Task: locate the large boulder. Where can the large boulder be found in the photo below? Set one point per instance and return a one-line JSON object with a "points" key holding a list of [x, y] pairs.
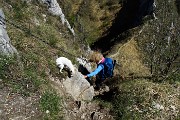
{"points": [[78, 87], [5, 46]]}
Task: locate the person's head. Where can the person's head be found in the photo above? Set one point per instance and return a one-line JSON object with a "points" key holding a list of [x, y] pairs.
{"points": [[96, 57]]}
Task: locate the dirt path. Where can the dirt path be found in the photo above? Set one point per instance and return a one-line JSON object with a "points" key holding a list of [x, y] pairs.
{"points": [[129, 57], [15, 107]]}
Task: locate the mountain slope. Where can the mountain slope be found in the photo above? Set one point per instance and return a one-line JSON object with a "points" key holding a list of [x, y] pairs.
{"points": [[32, 87]]}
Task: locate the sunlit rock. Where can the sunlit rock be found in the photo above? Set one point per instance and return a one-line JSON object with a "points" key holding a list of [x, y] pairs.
{"points": [[5, 45], [78, 87], [55, 9]]}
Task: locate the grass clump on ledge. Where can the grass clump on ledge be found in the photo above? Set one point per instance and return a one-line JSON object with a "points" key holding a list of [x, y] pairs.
{"points": [[50, 104]]}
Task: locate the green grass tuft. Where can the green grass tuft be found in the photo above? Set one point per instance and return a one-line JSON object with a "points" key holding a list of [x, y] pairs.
{"points": [[50, 104]]}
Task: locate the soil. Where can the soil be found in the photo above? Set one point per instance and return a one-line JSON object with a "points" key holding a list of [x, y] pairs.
{"points": [[14, 106]]}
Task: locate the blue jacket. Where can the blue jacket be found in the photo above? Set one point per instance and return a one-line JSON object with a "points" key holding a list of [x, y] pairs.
{"points": [[96, 71], [104, 69]]}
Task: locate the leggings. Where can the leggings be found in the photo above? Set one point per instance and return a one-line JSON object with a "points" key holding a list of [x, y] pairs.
{"points": [[99, 81]]}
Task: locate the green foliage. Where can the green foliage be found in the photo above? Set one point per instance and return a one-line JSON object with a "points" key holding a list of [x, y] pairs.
{"points": [[5, 62], [85, 9], [51, 38], [138, 100], [51, 102], [23, 77], [19, 41], [72, 19], [174, 78], [103, 103], [29, 74], [161, 42], [33, 80], [126, 98], [31, 61], [20, 11], [120, 107]]}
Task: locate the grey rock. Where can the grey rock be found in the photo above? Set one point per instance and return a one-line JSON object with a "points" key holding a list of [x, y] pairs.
{"points": [[78, 87], [84, 62], [5, 45], [55, 9]]}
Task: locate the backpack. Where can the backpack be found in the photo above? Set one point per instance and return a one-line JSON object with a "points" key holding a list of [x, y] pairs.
{"points": [[108, 67]]}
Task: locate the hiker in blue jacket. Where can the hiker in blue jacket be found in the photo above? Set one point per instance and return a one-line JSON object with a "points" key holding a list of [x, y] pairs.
{"points": [[104, 68]]}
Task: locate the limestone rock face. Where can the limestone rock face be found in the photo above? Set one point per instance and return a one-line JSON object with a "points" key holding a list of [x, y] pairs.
{"points": [[55, 9], [5, 45], [78, 87]]}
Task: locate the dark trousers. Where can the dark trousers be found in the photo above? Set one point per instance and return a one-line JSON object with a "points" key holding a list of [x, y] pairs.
{"points": [[99, 81]]}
